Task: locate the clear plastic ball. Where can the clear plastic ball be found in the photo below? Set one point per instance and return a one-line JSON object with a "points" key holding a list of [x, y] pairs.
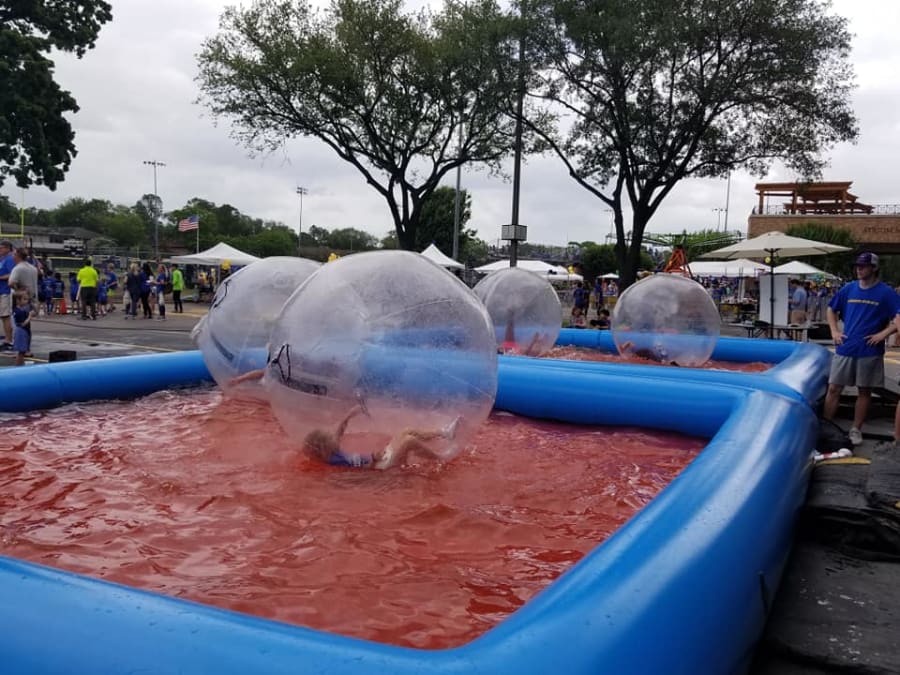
{"points": [[234, 334], [524, 310], [667, 318], [389, 334]]}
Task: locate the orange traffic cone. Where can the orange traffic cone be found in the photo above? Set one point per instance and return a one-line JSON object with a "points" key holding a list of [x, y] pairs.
{"points": [[62, 307]]}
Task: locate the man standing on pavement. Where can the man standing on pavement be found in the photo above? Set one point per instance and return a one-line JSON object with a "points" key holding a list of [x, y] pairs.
{"points": [[87, 285], [24, 275], [870, 310], [797, 303], [6, 266], [177, 287]]}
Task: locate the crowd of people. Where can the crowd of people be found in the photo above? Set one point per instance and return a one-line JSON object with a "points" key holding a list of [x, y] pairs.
{"points": [[30, 287]]}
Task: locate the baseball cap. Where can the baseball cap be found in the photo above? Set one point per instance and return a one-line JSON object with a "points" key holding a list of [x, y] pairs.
{"points": [[866, 259]]}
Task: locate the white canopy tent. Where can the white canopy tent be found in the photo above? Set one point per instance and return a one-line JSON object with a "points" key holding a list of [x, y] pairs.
{"points": [[727, 268], [434, 254], [216, 256], [609, 275], [802, 269], [554, 273]]}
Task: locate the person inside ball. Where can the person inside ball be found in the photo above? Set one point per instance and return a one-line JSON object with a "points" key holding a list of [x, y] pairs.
{"points": [[325, 445]]}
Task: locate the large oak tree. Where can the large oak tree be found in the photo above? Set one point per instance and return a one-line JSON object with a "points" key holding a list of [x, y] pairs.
{"points": [[655, 91], [36, 140], [403, 98]]}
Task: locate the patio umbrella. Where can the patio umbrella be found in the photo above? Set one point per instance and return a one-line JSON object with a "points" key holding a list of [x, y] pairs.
{"points": [[769, 245]]}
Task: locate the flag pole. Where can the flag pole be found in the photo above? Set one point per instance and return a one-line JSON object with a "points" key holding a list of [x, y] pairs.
{"points": [[198, 237]]}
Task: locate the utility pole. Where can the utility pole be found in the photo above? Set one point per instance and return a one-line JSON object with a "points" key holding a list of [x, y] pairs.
{"points": [[727, 199], [514, 233], [300, 191], [156, 215]]}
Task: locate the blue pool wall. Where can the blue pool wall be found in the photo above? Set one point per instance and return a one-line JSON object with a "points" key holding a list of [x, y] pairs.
{"points": [[683, 587]]}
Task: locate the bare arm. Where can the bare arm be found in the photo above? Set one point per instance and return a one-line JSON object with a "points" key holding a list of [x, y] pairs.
{"points": [[836, 334], [249, 376]]}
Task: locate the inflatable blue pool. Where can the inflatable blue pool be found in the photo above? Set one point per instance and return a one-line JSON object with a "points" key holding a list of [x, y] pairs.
{"points": [[683, 587]]}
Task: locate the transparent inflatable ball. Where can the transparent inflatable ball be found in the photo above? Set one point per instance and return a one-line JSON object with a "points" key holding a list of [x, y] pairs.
{"points": [[666, 318], [233, 336], [391, 337], [524, 309]]}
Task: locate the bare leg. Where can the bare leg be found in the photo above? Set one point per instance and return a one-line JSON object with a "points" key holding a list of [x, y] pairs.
{"points": [[832, 399], [861, 410], [411, 441]]}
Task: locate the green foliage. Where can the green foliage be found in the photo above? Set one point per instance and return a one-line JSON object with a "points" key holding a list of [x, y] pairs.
{"points": [[405, 99], [840, 264], [9, 212], [597, 259], [662, 90], [36, 139]]}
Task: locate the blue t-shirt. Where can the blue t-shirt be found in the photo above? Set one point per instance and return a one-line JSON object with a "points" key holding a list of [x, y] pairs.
{"points": [[798, 299], [59, 288], [161, 280], [145, 283], [102, 291], [6, 266], [20, 314], [112, 281], [864, 312]]}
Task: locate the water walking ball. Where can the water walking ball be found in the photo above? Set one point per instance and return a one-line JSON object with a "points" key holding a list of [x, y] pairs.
{"points": [[234, 334], [667, 318], [524, 310], [390, 339]]}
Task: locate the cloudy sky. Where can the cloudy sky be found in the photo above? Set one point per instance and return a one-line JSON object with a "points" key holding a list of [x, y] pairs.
{"points": [[136, 90]]}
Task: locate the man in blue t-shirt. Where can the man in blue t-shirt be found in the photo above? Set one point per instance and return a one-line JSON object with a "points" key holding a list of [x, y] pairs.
{"points": [[6, 268], [870, 311]]}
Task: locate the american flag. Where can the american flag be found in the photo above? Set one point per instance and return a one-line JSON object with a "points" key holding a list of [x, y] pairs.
{"points": [[189, 223]]}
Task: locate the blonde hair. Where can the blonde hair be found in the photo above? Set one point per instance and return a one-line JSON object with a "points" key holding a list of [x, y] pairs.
{"points": [[134, 268]]}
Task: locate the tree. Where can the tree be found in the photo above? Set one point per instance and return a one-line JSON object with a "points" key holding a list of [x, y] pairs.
{"points": [[404, 99], [836, 263], [78, 212], [662, 90], [8, 211], [36, 139], [436, 224]]}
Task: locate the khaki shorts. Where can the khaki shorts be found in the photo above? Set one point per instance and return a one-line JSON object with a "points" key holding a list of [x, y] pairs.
{"points": [[864, 371], [5, 306]]}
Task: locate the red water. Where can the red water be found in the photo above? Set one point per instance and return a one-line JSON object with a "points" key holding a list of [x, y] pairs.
{"points": [[587, 354], [194, 496]]}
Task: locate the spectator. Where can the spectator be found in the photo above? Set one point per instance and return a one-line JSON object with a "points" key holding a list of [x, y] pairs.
{"points": [[6, 266], [177, 288], [24, 275], [146, 283], [87, 286], [133, 286], [22, 335], [797, 303], [602, 320], [869, 310]]}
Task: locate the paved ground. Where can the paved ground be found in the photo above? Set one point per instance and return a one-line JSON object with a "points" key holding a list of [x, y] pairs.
{"points": [[110, 335]]}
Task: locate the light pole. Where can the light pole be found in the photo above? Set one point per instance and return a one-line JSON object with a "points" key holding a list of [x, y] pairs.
{"points": [[300, 191], [155, 164], [719, 212]]}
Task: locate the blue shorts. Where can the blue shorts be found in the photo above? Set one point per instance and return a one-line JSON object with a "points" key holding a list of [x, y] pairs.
{"points": [[340, 458], [21, 339]]}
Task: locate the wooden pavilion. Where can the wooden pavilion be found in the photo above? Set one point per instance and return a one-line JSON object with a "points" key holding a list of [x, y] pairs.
{"points": [[821, 198]]}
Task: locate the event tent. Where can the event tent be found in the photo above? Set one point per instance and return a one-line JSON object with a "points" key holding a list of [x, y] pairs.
{"points": [[216, 256], [434, 254], [802, 269], [546, 270], [727, 268]]}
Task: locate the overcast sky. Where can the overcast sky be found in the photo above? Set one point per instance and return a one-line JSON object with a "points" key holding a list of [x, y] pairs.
{"points": [[136, 90]]}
